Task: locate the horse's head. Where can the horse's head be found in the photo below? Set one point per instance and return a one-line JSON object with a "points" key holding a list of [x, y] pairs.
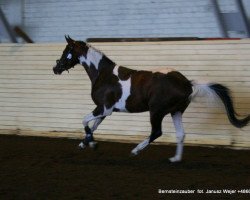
{"points": [[70, 56]]}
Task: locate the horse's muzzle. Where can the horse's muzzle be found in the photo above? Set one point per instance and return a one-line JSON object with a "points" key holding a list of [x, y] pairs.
{"points": [[56, 70]]}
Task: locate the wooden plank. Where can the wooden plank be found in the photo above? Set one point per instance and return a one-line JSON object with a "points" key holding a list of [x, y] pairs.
{"points": [[241, 104], [126, 62], [219, 45], [188, 118], [136, 57], [187, 73], [77, 119], [43, 52], [204, 112], [79, 69]]}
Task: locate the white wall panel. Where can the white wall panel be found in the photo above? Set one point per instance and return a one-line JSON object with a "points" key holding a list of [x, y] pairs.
{"points": [[47, 20]]}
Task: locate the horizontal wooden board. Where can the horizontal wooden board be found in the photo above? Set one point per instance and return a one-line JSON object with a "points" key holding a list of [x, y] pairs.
{"points": [[34, 101]]}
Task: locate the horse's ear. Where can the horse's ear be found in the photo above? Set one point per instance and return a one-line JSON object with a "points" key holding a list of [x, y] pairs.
{"points": [[69, 39]]}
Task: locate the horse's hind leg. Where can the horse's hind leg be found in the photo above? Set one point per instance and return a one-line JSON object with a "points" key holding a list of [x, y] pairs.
{"points": [[156, 120], [180, 135]]}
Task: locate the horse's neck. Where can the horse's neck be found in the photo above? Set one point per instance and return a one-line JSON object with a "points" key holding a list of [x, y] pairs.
{"points": [[95, 62]]}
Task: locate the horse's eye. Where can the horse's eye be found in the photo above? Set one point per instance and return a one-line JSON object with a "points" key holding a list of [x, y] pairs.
{"points": [[69, 56]]}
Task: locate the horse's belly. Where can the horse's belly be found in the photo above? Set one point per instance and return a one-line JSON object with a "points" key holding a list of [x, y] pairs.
{"points": [[136, 105], [131, 106]]}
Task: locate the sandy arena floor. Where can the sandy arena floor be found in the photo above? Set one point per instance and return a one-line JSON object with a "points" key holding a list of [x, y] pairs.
{"points": [[45, 168]]}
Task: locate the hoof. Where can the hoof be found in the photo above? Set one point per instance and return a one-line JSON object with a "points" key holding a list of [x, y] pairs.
{"points": [[134, 152], [93, 145], [175, 159], [82, 145]]}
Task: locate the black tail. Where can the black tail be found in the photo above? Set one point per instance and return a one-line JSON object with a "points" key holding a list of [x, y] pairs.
{"points": [[224, 94]]}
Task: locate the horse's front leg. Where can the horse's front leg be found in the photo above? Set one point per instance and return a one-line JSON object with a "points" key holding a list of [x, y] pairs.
{"points": [[98, 115]]}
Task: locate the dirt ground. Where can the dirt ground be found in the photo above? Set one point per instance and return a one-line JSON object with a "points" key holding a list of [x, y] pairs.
{"points": [[45, 168]]}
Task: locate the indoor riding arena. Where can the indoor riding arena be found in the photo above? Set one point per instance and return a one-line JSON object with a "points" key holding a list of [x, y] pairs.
{"points": [[41, 113]]}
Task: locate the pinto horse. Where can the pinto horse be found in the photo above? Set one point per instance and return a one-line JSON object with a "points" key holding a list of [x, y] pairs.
{"points": [[120, 89]]}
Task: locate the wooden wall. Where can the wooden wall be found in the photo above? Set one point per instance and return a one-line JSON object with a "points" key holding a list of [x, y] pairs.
{"points": [[34, 101]]}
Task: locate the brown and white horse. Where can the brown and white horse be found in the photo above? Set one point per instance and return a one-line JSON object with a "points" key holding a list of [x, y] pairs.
{"points": [[120, 89]]}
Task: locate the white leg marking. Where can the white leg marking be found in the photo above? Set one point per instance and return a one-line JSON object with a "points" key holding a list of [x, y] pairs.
{"points": [[82, 146], [98, 120], [92, 144], [96, 124], [177, 120], [87, 119], [140, 147], [91, 117]]}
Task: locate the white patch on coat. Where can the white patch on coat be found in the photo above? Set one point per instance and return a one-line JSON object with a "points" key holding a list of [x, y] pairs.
{"points": [[69, 56], [115, 70], [84, 60], [121, 103], [93, 56], [125, 86]]}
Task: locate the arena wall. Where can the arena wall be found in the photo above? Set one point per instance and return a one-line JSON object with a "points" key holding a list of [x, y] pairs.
{"points": [[34, 101]]}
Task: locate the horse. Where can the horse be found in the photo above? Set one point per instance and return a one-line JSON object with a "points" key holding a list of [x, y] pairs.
{"points": [[116, 88]]}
